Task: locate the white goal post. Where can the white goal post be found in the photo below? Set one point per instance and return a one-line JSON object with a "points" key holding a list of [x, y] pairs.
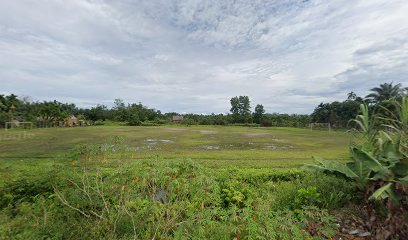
{"points": [[320, 126], [24, 125]]}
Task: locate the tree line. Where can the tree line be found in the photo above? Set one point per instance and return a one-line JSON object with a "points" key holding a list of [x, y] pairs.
{"points": [[337, 113], [379, 101]]}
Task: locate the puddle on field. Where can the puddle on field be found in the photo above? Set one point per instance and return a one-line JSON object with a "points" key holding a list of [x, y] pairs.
{"points": [[154, 141], [207, 147], [174, 129], [274, 147], [151, 144], [207, 131], [148, 147], [256, 134], [273, 139], [249, 146]]}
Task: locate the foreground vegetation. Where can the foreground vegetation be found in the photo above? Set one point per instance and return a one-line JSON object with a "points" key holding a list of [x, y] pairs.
{"points": [[101, 193], [379, 168], [237, 182]]}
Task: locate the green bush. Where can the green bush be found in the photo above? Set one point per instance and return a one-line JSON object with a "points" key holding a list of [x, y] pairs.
{"points": [[25, 190], [235, 193], [318, 190], [149, 123], [307, 197], [99, 123]]}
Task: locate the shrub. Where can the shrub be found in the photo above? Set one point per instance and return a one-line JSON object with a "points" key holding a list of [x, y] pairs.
{"points": [[99, 123], [307, 197], [149, 124], [25, 190], [235, 193]]}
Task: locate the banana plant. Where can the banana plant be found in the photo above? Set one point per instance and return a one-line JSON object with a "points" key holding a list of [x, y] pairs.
{"points": [[388, 166], [381, 159]]}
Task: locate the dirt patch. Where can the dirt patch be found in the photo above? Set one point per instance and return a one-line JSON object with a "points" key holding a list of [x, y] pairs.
{"points": [[279, 140], [154, 141], [208, 131], [152, 144], [147, 147], [209, 147], [256, 134], [274, 147], [352, 224], [175, 129]]}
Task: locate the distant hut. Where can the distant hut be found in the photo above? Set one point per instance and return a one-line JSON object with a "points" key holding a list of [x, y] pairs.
{"points": [[71, 121], [178, 118]]}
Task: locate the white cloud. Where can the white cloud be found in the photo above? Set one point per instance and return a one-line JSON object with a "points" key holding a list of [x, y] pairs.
{"points": [[192, 56]]}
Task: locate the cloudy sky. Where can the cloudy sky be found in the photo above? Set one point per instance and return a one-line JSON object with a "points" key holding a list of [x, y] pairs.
{"points": [[193, 55]]}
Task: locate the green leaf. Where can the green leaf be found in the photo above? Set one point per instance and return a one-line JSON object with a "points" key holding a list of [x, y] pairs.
{"points": [[382, 193], [369, 162], [404, 180], [391, 152], [313, 167], [334, 166], [401, 168]]}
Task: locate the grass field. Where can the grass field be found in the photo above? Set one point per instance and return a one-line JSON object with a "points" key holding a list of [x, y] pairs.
{"points": [[215, 147], [211, 146]]}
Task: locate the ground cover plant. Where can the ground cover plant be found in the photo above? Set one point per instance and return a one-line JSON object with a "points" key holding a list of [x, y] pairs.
{"points": [[101, 192], [169, 182]]}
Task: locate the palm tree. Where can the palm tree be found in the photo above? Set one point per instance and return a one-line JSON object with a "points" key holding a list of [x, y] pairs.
{"points": [[351, 96], [385, 91]]}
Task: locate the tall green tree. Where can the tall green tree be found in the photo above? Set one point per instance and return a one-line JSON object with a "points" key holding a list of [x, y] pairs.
{"points": [[235, 106], [338, 114], [241, 109], [259, 113], [245, 106], [385, 91]]}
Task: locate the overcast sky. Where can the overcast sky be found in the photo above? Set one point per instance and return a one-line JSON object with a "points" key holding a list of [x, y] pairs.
{"points": [[193, 56]]}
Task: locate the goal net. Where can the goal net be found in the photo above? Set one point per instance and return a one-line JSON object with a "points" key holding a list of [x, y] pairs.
{"points": [[320, 126], [18, 125]]}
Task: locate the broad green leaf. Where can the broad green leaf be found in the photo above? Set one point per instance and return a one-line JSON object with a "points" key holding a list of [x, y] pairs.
{"points": [[391, 152], [404, 180], [368, 161], [334, 166], [313, 167], [401, 168], [382, 193]]}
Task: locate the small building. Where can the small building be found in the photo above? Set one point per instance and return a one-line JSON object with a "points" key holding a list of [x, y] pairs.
{"points": [[178, 118], [71, 121]]}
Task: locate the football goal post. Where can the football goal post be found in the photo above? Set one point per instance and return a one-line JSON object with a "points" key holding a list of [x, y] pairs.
{"points": [[18, 125], [320, 126]]}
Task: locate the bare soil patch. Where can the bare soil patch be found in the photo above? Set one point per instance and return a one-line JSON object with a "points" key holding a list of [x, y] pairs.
{"points": [[208, 131], [175, 129], [256, 134]]}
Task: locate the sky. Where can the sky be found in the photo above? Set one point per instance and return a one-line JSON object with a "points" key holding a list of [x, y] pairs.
{"points": [[192, 56]]}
